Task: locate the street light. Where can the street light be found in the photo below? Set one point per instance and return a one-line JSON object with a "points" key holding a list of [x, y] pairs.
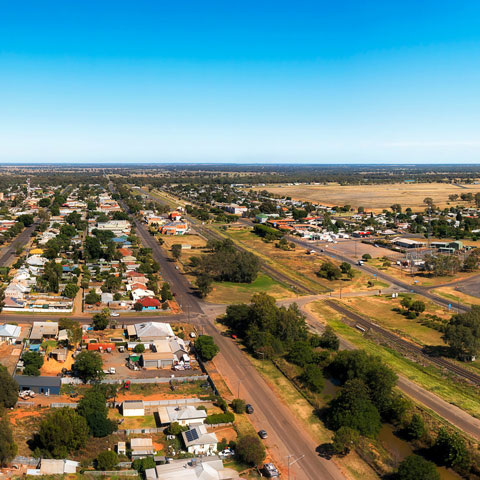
{"points": [[292, 463]]}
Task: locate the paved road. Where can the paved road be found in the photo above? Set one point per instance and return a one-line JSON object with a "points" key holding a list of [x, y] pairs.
{"points": [[8, 253], [285, 435], [381, 275]]}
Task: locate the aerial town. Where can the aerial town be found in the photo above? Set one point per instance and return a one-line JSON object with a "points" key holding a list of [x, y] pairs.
{"points": [[156, 325], [240, 240]]}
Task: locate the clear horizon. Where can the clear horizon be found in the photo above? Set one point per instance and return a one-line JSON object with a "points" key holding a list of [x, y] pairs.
{"points": [[262, 83]]}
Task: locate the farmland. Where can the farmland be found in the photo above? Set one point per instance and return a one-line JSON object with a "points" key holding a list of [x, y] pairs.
{"points": [[373, 197]]}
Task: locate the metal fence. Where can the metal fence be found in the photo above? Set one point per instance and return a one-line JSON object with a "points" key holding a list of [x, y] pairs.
{"points": [[25, 404], [114, 473], [120, 381], [61, 405]]}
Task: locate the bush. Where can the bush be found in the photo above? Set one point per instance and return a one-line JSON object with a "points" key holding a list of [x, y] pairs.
{"points": [[415, 467], [175, 429], [238, 405], [450, 449], [140, 348], [206, 347], [215, 418], [416, 427], [313, 378], [250, 450], [31, 371], [142, 464], [107, 460]]}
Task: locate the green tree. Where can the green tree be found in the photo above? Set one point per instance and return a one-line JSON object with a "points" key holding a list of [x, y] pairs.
{"points": [[238, 405], [100, 321], [88, 366], [9, 390], [175, 429], [462, 333], [176, 251], [204, 284], [418, 306], [415, 467], [301, 353], [344, 440], [31, 370], [329, 340], [138, 307], [366, 257], [352, 408], [450, 449], [8, 448], [250, 449], [206, 347], [73, 328], [329, 271], [416, 428], [107, 460], [142, 464], [140, 348], [313, 378], [165, 292], [63, 431], [71, 290], [34, 359], [93, 408]]}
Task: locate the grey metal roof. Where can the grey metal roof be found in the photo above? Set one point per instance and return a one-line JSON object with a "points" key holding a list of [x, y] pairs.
{"points": [[42, 381]]}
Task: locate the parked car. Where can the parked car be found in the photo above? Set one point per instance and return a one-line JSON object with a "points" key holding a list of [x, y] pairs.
{"points": [[263, 434], [270, 470], [248, 408], [114, 314]]}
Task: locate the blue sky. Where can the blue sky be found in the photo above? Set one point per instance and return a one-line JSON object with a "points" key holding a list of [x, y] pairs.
{"points": [[252, 81]]}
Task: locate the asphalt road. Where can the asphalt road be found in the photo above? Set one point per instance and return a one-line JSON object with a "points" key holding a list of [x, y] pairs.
{"points": [[285, 436], [8, 253]]}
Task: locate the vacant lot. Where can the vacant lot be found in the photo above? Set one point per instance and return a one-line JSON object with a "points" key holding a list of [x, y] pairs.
{"points": [[298, 264], [380, 309], [374, 197]]}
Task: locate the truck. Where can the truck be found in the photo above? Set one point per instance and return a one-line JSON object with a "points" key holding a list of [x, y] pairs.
{"points": [[110, 371]]}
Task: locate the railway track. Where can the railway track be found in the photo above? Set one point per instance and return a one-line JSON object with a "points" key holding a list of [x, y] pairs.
{"points": [[438, 361]]}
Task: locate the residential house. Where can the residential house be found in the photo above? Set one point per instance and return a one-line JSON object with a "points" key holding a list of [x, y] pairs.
{"points": [[209, 468], [42, 384], [149, 303], [184, 415], [43, 330], [9, 333], [133, 408], [141, 448], [199, 441], [151, 331]]}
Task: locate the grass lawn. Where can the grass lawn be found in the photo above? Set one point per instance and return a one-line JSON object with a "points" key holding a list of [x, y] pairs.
{"points": [[228, 292], [130, 423], [455, 296], [430, 378], [379, 308]]}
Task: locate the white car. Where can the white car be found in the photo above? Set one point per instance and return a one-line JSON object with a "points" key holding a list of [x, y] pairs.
{"points": [[114, 314]]}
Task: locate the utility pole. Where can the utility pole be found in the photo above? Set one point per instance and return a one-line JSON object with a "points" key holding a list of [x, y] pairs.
{"points": [[263, 358], [292, 463]]}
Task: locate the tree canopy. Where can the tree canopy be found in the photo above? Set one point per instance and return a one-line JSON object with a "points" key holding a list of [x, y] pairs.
{"points": [[9, 390], [88, 366], [206, 347], [463, 333], [250, 449]]}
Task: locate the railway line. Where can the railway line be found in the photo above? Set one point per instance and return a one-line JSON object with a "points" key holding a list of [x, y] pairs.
{"points": [[404, 344]]}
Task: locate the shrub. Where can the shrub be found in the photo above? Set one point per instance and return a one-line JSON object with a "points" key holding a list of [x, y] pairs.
{"points": [[107, 460], [415, 467], [215, 418], [238, 405], [140, 348]]}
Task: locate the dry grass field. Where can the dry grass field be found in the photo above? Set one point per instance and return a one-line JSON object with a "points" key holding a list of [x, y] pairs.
{"points": [[374, 197]]}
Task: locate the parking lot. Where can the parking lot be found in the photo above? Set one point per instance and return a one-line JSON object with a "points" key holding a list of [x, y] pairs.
{"points": [[354, 248]]}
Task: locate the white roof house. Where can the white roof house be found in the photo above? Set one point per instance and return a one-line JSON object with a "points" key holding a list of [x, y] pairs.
{"points": [[185, 415], [37, 260], [210, 468], [141, 447], [9, 333], [151, 331], [199, 441]]}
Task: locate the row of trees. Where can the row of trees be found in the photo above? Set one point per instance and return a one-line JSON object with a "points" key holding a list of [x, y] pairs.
{"points": [[224, 263]]}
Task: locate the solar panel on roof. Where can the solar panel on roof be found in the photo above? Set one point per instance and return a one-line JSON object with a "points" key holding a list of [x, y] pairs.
{"points": [[191, 435]]}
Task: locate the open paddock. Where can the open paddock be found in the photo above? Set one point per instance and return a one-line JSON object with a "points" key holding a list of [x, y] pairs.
{"points": [[374, 197]]}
